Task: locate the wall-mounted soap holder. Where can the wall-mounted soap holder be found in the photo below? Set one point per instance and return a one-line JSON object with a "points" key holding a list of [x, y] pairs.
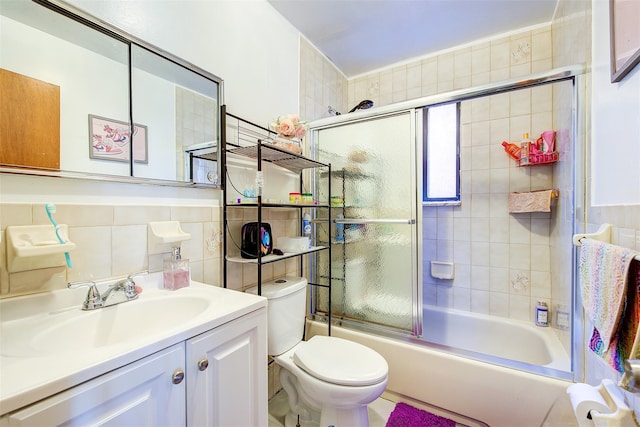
{"points": [[164, 235], [31, 247], [442, 270]]}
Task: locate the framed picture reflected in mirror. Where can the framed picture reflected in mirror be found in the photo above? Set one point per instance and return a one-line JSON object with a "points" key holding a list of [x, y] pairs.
{"points": [[110, 140]]}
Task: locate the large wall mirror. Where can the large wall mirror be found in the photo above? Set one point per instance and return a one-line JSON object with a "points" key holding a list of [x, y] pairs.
{"points": [[81, 97]]}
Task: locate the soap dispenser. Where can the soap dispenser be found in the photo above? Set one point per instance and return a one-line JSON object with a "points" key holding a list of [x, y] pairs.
{"points": [[176, 271]]}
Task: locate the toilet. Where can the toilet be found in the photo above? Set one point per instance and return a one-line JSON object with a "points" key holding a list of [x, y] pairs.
{"points": [[329, 380]]}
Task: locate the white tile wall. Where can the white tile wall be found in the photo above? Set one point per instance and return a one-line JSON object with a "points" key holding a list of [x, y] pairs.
{"points": [[112, 242], [490, 247]]}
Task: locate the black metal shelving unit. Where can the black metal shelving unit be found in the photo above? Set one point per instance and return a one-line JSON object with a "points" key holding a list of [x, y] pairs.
{"points": [[257, 145]]}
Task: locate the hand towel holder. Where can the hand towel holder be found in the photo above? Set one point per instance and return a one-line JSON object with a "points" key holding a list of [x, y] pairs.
{"points": [[603, 234]]}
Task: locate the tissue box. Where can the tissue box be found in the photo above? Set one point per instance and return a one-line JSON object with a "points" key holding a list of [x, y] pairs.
{"points": [[293, 244]]}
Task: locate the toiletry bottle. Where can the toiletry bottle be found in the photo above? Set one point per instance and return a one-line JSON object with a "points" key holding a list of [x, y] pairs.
{"points": [[542, 314], [511, 149], [306, 226], [176, 271], [525, 147], [339, 229]]}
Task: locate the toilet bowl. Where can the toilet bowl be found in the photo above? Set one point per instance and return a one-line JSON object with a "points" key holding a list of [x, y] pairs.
{"points": [[328, 380], [333, 377]]}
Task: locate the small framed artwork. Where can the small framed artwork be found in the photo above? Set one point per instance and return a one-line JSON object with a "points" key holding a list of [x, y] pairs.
{"points": [[110, 140], [624, 16]]}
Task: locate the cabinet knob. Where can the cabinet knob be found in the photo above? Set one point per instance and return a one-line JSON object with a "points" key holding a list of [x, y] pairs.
{"points": [[177, 376], [203, 364]]}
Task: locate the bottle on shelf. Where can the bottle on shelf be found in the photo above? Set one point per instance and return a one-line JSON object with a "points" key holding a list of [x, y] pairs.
{"points": [[525, 149], [339, 228], [511, 149], [306, 226]]}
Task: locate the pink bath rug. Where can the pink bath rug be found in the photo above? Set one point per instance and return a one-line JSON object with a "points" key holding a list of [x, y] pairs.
{"points": [[405, 415]]}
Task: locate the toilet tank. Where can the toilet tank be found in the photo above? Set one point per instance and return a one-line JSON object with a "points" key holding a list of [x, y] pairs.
{"points": [[285, 312]]}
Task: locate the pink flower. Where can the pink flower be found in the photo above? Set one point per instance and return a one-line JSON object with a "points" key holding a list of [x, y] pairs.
{"points": [[290, 126], [286, 127], [301, 131]]}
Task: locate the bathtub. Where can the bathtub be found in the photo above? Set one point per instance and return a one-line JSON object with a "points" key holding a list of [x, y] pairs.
{"points": [[487, 392], [495, 336]]}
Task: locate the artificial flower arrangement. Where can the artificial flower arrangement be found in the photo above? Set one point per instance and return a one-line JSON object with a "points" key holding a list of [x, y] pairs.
{"points": [[290, 126]]}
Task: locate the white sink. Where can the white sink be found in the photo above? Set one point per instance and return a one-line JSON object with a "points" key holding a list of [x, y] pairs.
{"points": [[71, 331], [48, 343]]}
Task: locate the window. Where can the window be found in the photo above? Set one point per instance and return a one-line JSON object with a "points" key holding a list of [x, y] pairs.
{"points": [[441, 162]]}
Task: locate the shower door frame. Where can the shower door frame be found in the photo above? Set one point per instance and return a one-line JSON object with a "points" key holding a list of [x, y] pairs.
{"points": [[575, 74], [415, 223]]}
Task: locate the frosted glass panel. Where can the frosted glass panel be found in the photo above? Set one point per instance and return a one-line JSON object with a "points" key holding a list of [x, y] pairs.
{"points": [[442, 152], [373, 187]]}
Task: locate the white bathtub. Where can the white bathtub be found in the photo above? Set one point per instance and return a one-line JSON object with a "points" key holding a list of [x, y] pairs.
{"points": [[487, 392], [495, 336]]}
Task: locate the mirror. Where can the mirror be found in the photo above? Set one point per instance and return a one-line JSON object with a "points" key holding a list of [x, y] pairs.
{"points": [[72, 87]]}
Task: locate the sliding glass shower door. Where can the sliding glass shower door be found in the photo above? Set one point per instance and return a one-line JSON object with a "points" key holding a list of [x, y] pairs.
{"points": [[373, 234]]}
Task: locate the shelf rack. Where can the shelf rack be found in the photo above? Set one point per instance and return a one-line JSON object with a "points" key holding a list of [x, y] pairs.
{"points": [[254, 142]]}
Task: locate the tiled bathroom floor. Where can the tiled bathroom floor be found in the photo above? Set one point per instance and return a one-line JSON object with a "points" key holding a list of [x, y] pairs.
{"points": [[379, 411]]}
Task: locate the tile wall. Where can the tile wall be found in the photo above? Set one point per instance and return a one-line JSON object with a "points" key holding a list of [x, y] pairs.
{"points": [[193, 123], [502, 261], [283, 222], [321, 84], [111, 242], [572, 28], [475, 64]]}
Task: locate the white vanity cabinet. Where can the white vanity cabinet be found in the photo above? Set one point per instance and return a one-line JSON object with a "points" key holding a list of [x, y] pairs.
{"points": [[216, 378], [139, 394], [227, 375]]}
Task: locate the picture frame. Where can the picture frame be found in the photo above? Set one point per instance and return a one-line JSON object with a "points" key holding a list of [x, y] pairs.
{"points": [[624, 16], [109, 139]]}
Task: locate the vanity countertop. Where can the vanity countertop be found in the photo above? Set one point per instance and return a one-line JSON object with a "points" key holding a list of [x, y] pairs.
{"points": [[36, 362]]}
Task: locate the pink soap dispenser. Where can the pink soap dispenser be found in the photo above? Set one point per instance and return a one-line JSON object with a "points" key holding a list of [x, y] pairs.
{"points": [[176, 271]]}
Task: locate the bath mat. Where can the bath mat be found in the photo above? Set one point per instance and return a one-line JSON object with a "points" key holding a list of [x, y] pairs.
{"points": [[404, 415]]}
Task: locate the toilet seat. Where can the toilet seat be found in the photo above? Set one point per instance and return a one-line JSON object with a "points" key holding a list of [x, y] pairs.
{"points": [[339, 361]]}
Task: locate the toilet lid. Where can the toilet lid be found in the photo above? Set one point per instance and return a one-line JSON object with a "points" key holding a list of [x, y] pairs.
{"points": [[339, 361]]}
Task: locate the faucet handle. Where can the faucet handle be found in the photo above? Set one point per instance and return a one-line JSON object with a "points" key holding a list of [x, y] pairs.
{"points": [[130, 285], [93, 299]]}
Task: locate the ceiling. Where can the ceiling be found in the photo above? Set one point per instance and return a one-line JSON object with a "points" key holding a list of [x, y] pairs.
{"points": [[360, 36]]}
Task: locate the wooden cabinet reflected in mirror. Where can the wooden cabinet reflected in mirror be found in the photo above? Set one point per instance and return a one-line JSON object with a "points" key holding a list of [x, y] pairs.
{"points": [[30, 117]]}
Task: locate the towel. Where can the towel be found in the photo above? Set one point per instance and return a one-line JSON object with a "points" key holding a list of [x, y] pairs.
{"points": [[625, 343], [604, 272], [535, 201]]}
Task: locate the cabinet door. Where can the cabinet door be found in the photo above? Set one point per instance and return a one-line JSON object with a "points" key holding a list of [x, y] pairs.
{"points": [[227, 374], [139, 394]]}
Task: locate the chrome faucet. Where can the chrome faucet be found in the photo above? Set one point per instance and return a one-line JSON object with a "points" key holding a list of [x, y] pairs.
{"points": [[122, 291], [630, 381]]}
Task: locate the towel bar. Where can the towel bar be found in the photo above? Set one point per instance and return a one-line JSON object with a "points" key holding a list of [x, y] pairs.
{"points": [[603, 234]]}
